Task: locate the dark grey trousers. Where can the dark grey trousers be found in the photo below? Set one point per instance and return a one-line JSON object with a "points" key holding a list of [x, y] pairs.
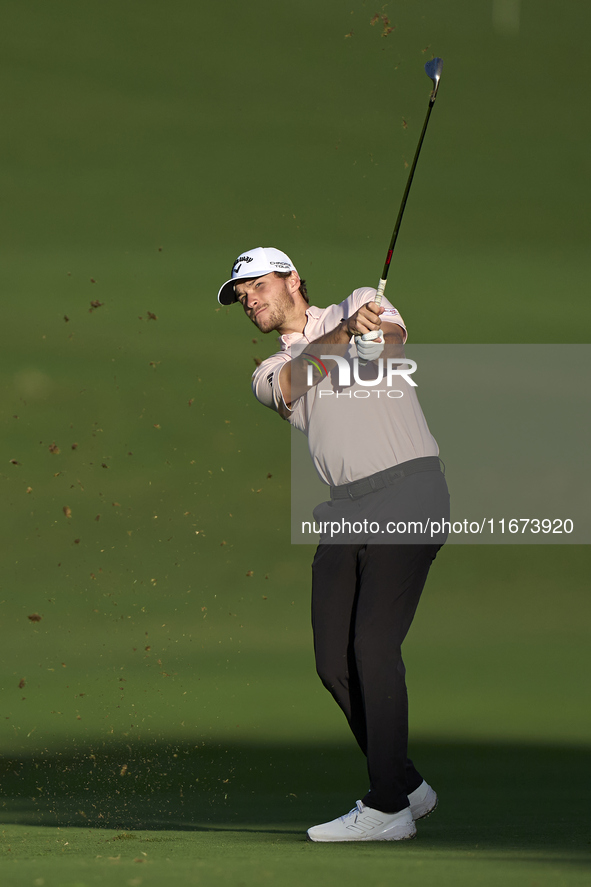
{"points": [[364, 598]]}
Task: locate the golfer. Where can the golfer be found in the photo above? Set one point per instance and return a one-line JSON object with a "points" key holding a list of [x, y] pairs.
{"points": [[381, 463]]}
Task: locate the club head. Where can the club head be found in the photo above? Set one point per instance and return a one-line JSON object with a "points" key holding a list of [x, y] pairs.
{"points": [[433, 70]]}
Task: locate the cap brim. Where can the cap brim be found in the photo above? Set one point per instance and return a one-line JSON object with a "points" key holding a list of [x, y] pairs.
{"points": [[226, 294]]}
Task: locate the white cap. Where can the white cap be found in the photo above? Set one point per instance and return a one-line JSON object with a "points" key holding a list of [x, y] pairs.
{"points": [[254, 263]]}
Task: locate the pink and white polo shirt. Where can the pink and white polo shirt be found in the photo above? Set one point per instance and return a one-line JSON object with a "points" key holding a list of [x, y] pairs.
{"points": [[353, 432]]}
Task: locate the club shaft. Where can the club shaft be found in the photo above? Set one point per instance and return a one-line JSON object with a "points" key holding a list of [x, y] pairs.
{"points": [[382, 284]]}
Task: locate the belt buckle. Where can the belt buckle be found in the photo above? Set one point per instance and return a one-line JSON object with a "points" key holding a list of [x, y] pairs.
{"points": [[360, 490], [364, 486], [373, 483]]}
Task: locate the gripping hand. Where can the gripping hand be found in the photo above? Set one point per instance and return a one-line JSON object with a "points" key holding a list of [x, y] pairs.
{"points": [[367, 348]]}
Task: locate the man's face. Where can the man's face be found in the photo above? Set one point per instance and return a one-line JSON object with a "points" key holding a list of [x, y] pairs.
{"points": [[267, 300]]}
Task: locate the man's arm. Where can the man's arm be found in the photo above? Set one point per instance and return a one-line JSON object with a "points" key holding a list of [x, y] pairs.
{"points": [[293, 374]]}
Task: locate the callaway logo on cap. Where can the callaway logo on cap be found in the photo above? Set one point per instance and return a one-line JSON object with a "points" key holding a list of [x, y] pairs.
{"points": [[254, 263]]}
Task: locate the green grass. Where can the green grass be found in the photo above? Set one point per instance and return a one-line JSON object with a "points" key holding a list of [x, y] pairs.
{"points": [[237, 814], [166, 704], [497, 675]]}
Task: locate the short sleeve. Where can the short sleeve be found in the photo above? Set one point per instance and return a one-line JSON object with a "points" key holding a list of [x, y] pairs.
{"points": [[392, 315]]}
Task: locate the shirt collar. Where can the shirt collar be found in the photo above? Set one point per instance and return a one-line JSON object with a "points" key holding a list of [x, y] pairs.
{"points": [[288, 339]]}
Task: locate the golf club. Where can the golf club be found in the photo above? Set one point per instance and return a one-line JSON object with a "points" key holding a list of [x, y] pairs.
{"points": [[433, 70]]}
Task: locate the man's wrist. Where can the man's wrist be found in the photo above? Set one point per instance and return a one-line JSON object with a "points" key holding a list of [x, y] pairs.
{"points": [[344, 328]]}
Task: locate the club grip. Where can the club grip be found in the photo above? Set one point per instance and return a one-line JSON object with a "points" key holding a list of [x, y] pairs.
{"points": [[380, 292]]}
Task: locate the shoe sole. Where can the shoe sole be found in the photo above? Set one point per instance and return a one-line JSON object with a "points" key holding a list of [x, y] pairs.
{"points": [[357, 840], [427, 812], [343, 840]]}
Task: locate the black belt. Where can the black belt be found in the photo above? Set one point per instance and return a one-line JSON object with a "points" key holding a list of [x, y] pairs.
{"points": [[381, 479]]}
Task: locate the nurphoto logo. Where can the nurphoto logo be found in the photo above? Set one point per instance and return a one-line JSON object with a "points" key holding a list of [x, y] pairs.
{"points": [[391, 370]]}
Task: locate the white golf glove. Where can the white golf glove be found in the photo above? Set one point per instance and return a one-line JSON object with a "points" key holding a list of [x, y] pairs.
{"points": [[367, 349]]}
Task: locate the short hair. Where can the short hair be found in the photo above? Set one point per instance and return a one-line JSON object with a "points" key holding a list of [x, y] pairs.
{"points": [[303, 289]]}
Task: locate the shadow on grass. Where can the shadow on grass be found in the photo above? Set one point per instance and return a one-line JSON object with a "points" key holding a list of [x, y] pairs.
{"points": [[496, 796]]}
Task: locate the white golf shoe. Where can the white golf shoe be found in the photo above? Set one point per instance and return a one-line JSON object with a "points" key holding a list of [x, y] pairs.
{"points": [[366, 824], [423, 801]]}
